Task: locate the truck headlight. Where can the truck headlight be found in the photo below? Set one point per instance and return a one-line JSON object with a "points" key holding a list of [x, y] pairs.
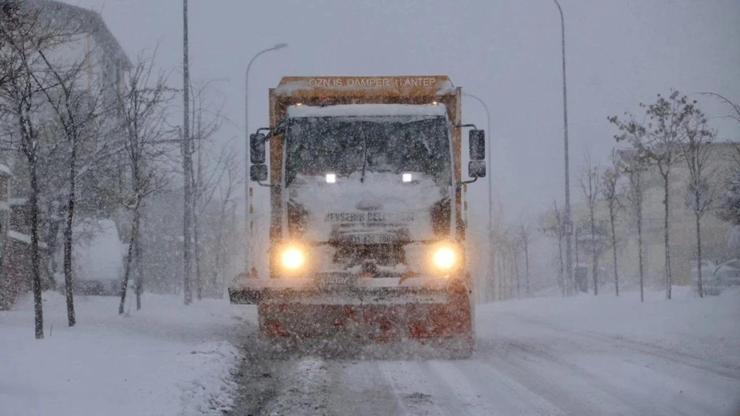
{"points": [[292, 257], [445, 257]]}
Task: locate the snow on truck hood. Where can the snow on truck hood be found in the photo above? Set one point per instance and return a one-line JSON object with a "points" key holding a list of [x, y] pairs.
{"points": [[367, 110]]}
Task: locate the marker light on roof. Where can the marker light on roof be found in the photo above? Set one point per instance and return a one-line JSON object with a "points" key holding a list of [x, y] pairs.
{"points": [[331, 178], [406, 177]]}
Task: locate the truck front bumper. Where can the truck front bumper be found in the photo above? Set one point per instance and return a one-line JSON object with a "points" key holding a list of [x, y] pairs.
{"points": [[368, 290]]}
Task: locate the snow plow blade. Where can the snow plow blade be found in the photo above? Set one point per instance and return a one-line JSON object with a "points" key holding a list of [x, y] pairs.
{"points": [[442, 326]]}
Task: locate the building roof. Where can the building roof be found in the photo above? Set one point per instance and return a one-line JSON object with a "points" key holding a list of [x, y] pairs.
{"points": [[90, 22]]}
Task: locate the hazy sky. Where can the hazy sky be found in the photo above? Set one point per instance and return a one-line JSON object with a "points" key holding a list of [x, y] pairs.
{"points": [[505, 51]]}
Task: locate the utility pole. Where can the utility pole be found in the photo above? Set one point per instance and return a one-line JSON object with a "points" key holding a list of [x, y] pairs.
{"points": [[187, 165], [567, 220]]}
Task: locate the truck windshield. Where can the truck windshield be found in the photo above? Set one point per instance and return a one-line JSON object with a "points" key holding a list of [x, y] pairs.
{"points": [[385, 144]]}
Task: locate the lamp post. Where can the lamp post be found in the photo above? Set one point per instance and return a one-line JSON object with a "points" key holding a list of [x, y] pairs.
{"points": [[490, 177], [247, 218], [567, 220]]}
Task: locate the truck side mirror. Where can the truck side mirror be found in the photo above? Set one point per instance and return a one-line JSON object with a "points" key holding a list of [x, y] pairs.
{"points": [[258, 173], [477, 144], [477, 168], [257, 148]]}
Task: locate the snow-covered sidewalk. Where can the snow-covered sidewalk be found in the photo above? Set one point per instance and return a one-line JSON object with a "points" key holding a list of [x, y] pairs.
{"points": [[166, 359]]}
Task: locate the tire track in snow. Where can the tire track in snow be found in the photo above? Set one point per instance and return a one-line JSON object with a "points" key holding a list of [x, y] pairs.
{"points": [[726, 370], [420, 391], [487, 391], [601, 390], [304, 392], [637, 380], [359, 388], [568, 393]]}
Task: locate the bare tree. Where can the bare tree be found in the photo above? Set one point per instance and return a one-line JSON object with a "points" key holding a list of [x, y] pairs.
{"points": [[76, 109], [512, 251], [22, 35], [631, 165], [610, 194], [224, 214], [206, 176], [659, 141], [696, 153], [525, 239], [729, 202], [590, 187], [143, 105], [552, 226]]}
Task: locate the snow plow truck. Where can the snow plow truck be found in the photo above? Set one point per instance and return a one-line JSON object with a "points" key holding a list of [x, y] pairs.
{"points": [[366, 214]]}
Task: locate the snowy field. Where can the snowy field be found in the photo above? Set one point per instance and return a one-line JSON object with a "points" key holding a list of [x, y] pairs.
{"points": [[544, 356]]}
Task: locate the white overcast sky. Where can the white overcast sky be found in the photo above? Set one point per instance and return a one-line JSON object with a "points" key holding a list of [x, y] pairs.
{"points": [[620, 52]]}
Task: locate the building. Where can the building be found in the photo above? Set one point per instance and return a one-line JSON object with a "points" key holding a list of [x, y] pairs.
{"points": [[106, 65]]}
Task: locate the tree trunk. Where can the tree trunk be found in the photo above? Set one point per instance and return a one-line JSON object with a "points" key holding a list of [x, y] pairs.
{"points": [[698, 252], [68, 285], [526, 266], [517, 275], [594, 253], [196, 258], [138, 254], [639, 249], [127, 268], [614, 248], [38, 312], [666, 239], [562, 266]]}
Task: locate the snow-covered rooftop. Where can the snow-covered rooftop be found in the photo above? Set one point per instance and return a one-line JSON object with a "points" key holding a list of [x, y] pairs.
{"points": [[367, 110]]}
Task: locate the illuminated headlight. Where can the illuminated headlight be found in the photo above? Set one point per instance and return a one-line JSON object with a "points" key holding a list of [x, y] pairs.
{"points": [[292, 258], [445, 257], [331, 178], [406, 177]]}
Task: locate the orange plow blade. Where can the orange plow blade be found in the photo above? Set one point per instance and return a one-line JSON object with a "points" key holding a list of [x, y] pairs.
{"points": [[353, 325]]}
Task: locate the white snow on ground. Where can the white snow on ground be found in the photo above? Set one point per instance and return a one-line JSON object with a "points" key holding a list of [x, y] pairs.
{"points": [[582, 355], [166, 359], [706, 327]]}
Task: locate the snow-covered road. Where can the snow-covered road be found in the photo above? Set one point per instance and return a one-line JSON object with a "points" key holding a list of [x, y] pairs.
{"points": [[534, 357], [581, 355]]}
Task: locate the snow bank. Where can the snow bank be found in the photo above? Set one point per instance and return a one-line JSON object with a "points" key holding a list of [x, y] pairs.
{"points": [[705, 327], [166, 359]]}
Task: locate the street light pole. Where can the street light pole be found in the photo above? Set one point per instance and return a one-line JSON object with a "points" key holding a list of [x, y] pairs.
{"points": [[567, 220], [490, 178], [247, 218]]}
